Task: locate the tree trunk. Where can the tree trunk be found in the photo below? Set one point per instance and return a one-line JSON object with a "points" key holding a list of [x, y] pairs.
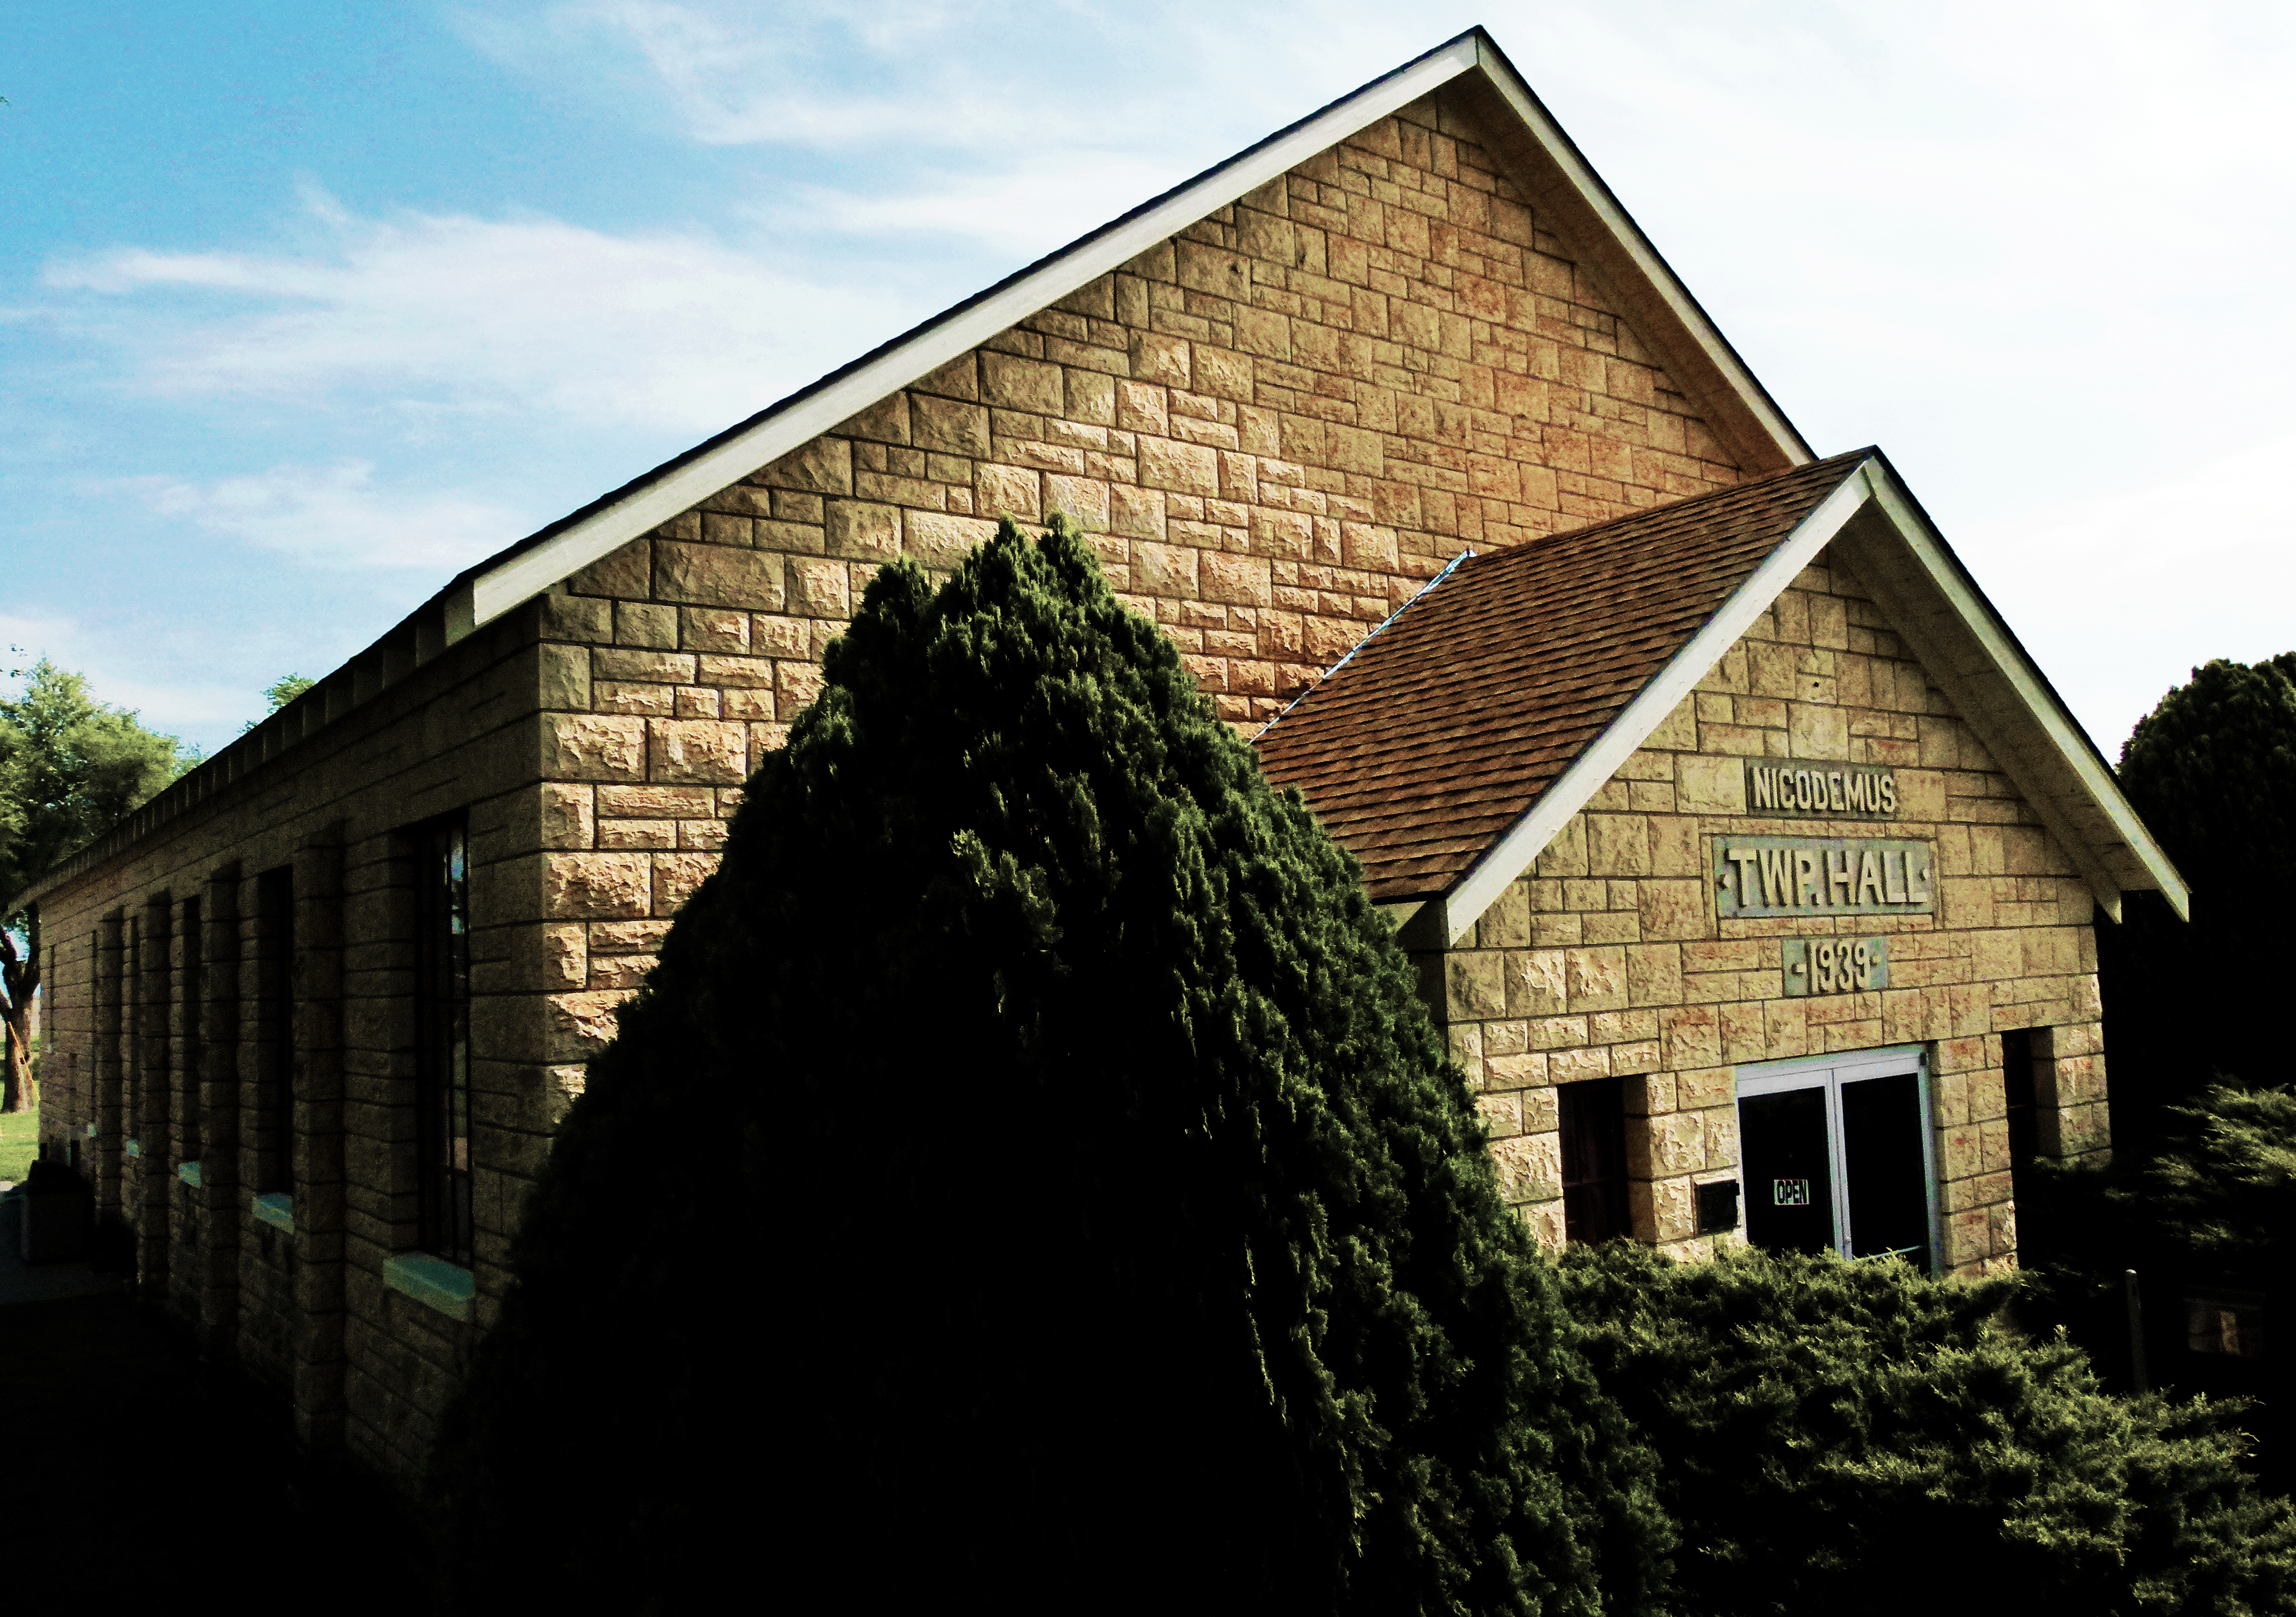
{"points": [[20, 980], [23, 1094]]}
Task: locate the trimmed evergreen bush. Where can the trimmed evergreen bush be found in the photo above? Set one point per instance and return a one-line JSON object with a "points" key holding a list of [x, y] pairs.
{"points": [[1856, 1437], [1029, 1176]]}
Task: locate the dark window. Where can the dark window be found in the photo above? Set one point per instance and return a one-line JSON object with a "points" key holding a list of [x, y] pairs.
{"points": [[2017, 1079], [442, 1015], [275, 905], [190, 1011], [1593, 1118]]}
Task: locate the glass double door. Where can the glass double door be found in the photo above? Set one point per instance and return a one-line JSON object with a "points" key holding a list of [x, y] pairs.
{"points": [[1836, 1154]]}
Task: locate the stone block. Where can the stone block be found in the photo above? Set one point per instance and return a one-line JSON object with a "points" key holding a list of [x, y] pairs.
{"points": [[1014, 492], [708, 629], [1595, 978], [1529, 1166], [1536, 983], [1474, 984], [1236, 580], [823, 466], [565, 817], [886, 422], [820, 589], [592, 747], [597, 886], [1672, 909], [862, 531], [697, 750], [949, 427], [656, 803], [582, 1025], [1012, 383], [623, 572], [940, 541], [676, 876], [1179, 468], [712, 575], [1164, 569], [1083, 500], [643, 623], [1161, 359]]}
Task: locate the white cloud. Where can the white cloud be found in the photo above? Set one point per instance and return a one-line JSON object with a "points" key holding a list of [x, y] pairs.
{"points": [[530, 315], [122, 672], [334, 516]]}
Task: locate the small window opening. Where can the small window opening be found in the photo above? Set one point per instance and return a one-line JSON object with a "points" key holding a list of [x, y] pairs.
{"points": [[1593, 1121]]}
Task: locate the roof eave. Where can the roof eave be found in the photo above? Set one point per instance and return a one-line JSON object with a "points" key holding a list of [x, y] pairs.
{"points": [[1931, 600]]}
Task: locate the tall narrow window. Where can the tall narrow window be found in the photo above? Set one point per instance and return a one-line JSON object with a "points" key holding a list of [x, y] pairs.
{"points": [[1593, 1118], [442, 999], [191, 1011], [2024, 1123], [275, 904]]}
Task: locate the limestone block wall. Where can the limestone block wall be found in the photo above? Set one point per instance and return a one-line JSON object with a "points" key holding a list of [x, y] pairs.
{"points": [[164, 1037], [1608, 959], [1274, 428]]}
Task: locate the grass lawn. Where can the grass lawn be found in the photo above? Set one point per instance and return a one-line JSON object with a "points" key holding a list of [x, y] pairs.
{"points": [[20, 1143]]}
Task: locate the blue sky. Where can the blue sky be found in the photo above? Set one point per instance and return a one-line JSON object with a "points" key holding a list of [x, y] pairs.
{"points": [[305, 308]]}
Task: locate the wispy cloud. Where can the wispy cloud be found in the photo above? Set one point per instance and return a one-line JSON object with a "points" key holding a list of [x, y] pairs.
{"points": [[530, 315], [335, 516], [124, 674]]}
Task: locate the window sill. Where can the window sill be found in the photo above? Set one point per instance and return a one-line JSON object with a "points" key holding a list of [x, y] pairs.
{"points": [[432, 1282], [275, 1208], [188, 1173], [135, 1148]]}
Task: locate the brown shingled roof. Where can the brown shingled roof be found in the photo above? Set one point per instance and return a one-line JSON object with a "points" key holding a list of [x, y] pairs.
{"points": [[1442, 730]]}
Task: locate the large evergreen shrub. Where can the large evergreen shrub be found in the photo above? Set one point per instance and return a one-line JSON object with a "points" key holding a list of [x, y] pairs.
{"points": [[2212, 770], [1839, 1437], [1027, 1177]]}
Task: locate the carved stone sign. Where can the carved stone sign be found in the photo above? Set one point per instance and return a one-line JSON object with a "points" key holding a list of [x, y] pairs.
{"points": [[1835, 966], [1837, 790], [1795, 875]]}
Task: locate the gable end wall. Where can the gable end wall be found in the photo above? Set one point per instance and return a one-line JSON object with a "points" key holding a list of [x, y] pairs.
{"points": [[1608, 959]]}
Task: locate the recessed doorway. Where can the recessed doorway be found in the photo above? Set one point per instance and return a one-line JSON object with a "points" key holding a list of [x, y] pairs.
{"points": [[1838, 1155]]}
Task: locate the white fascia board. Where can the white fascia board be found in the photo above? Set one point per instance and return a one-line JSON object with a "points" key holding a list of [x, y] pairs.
{"points": [[532, 573], [2056, 726], [1655, 269], [1515, 852]]}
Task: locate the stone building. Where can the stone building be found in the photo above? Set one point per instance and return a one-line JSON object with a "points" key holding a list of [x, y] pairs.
{"points": [[317, 1008]]}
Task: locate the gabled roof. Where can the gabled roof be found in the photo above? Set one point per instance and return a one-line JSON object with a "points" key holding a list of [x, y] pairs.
{"points": [[1560, 182], [1554, 174], [1452, 747], [1420, 750]]}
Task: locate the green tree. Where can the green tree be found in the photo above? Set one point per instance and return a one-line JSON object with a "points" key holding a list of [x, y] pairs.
{"points": [[278, 693], [1839, 1437], [1028, 1174], [69, 767], [2212, 770]]}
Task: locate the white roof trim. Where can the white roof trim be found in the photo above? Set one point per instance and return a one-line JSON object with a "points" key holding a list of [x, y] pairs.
{"points": [[2066, 754], [1516, 850], [495, 589], [2062, 779]]}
